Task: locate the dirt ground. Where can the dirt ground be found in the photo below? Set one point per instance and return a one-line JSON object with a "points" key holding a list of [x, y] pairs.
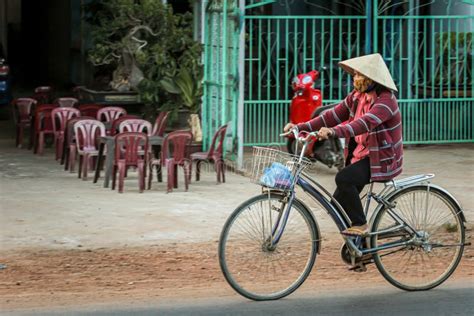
{"points": [[54, 278]]}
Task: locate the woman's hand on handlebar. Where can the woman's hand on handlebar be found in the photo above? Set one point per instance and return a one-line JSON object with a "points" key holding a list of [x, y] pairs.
{"points": [[322, 134], [325, 133], [288, 127]]}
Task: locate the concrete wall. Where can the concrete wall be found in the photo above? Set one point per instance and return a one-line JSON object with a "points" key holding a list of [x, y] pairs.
{"points": [[3, 28], [10, 13], [59, 41], [44, 54], [14, 11]]}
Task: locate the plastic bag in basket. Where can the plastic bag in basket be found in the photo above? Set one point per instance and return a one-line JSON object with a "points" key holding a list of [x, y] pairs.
{"points": [[277, 176]]}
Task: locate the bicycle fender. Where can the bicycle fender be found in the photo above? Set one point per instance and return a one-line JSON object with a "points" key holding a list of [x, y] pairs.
{"points": [[450, 197]]}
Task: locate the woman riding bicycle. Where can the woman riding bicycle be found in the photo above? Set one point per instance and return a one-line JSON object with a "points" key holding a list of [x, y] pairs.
{"points": [[370, 121]]}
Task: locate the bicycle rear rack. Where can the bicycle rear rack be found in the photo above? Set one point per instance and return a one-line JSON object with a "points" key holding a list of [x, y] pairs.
{"points": [[401, 183]]}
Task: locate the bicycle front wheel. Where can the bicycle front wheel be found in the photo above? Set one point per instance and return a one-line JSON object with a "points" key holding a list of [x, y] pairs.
{"points": [[251, 265], [432, 256]]}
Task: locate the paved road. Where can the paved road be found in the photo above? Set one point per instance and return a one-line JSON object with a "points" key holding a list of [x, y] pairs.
{"points": [[454, 299]]}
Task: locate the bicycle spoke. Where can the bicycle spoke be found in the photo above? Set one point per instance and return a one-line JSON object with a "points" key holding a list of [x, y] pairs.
{"points": [[393, 252]]}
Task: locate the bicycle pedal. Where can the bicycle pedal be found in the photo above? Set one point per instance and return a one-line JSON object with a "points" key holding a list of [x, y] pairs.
{"points": [[358, 268]]}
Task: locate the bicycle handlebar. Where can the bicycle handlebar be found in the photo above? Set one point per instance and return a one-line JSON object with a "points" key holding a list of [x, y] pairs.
{"points": [[301, 139], [305, 138], [288, 133]]}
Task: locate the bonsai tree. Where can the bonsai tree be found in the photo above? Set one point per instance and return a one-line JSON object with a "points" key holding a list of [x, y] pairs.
{"points": [[155, 48], [120, 31]]}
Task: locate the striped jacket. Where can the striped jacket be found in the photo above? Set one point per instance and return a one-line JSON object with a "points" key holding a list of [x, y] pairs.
{"points": [[382, 122]]}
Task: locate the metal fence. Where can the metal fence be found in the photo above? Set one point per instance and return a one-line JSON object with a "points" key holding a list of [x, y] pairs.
{"points": [[429, 56], [278, 48]]}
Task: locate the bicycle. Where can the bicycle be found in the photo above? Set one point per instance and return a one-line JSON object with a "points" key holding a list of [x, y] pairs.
{"points": [[269, 244]]}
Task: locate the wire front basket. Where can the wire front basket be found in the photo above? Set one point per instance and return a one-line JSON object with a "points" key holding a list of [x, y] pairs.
{"points": [[276, 169]]}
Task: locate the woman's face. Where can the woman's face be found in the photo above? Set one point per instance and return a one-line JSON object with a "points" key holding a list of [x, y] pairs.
{"points": [[361, 83]]}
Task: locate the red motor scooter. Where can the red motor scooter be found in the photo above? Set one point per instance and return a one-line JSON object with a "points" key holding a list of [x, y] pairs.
{"points": [[305, 105]]}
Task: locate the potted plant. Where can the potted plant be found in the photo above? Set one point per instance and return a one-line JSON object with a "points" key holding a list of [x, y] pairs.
{"points": [[189, 90]]}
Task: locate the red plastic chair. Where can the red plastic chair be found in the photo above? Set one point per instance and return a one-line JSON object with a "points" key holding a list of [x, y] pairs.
{"points": [[214, 154], [127, 154], [43, 94], [178, 140], [160, 124], [114, 127], [68, 157], [22, 108], [109, 114], [136, 125], [66, 102], [43, 125], [89, 109], [159, 130], [87, 134], [60, 116]]}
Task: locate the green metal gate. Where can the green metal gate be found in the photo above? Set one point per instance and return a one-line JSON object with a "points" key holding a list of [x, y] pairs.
{"points": [[221, 42], [430, 58], [279, 47]]}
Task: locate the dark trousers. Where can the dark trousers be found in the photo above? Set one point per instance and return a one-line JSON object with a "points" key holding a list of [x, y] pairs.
{"points": [[350, 182]]}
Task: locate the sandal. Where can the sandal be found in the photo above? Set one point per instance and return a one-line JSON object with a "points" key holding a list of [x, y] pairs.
{"points": [[355, 232]]}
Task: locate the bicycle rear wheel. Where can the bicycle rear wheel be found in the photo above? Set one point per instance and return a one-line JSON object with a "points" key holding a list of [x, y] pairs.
{"points": [[430, 259], [253, 268]]}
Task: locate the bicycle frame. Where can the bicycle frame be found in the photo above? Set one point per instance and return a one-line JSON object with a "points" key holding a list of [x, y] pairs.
{"points": [[339, 216], [341, 219]]}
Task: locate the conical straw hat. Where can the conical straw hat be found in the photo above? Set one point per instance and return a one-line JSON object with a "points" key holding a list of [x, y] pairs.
{"points": [[372, 66]]}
